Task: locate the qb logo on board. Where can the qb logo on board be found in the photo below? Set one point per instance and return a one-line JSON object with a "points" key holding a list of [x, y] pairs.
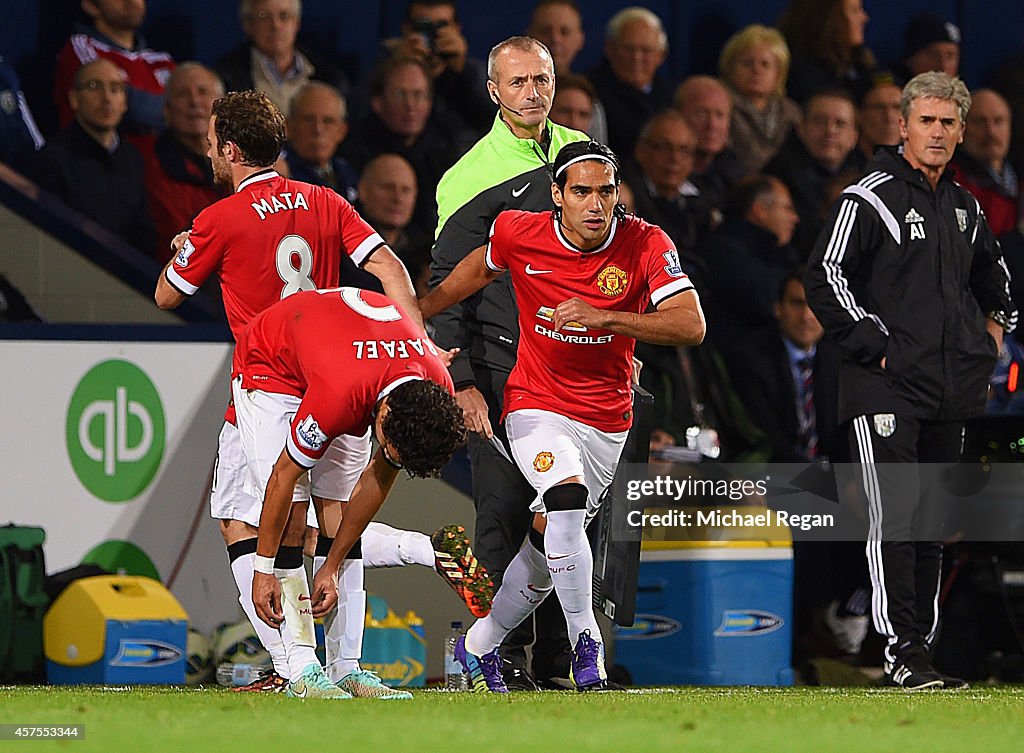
{"points": [[115, 430]]}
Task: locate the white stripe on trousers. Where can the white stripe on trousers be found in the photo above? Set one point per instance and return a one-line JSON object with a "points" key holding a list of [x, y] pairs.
{"points": [[873, 548], [928, 639]]}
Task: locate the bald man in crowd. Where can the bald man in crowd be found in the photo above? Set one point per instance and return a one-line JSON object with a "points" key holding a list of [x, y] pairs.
{"points": [[317, 124], [660, 176], [878, 115], [89, 167], [707, 106], [819, 148], [387, 199], [179, 179]]}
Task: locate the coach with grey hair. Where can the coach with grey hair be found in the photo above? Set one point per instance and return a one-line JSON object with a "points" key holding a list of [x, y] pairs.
{"points": [[907, 278]]}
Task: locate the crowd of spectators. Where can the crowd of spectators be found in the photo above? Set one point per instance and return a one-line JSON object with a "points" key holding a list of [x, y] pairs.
{"points": [[739, 168], [805, 102]]}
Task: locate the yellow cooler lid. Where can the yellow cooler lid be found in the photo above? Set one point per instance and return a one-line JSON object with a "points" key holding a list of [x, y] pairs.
{"points": [[74, 627]]}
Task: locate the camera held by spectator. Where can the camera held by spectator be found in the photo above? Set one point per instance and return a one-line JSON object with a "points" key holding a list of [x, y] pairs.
{"points": [[428, 29]]}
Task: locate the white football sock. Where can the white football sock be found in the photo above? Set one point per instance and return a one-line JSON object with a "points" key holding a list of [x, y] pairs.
{"points": [[571, 564], [242, 569], [343, 625], [297, 629], [384, 546], [524, 586]]}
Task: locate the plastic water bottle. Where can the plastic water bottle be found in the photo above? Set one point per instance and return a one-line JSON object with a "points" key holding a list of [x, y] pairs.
{"points": [[454, 679], [231, 675]]}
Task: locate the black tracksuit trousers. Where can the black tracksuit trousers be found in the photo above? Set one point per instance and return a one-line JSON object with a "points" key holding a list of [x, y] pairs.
{"points": [[905, 571]]}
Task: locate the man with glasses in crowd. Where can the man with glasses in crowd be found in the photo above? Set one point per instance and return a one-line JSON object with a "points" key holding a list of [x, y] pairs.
{"points": [[89, 166]]}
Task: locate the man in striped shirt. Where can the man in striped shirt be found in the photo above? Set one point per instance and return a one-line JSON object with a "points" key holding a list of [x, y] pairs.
{"points": [[113, 34]]}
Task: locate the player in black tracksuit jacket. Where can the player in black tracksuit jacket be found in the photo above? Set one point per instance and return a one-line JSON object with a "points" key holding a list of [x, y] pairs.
{"points": [[902, 278]]}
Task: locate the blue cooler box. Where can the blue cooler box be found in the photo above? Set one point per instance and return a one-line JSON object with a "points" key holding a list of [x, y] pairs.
{"points": [[715, 612], [115, 630]]}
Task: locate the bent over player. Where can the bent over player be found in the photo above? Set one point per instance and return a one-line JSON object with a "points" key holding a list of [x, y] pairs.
{"points": [[584, 275], [311, 368], [271, 238]]}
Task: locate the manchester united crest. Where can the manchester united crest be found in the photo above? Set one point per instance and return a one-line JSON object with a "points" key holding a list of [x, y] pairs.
{"points": [[543, 462], [612, 281]]}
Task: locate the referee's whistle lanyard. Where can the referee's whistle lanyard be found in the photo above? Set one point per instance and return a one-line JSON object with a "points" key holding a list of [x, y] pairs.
{"points": [[545, 145], [540, 152]]}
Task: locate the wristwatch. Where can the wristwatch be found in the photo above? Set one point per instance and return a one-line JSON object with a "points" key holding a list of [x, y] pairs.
{"points": [[1001, 318]]}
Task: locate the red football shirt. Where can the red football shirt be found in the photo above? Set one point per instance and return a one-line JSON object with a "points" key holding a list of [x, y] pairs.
{"points": [[579, 372], [271, 238], [340, 350]]}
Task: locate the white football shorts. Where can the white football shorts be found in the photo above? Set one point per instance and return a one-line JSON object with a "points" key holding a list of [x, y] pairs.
{"points": [[264, 420], [228, 498], [549, 448]]}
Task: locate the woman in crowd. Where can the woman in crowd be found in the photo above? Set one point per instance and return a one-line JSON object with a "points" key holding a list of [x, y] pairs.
{"points": [[827, 40], [754, 64]]}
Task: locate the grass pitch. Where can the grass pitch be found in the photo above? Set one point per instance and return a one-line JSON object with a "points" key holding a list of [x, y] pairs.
{"points": [[688, 719]]}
